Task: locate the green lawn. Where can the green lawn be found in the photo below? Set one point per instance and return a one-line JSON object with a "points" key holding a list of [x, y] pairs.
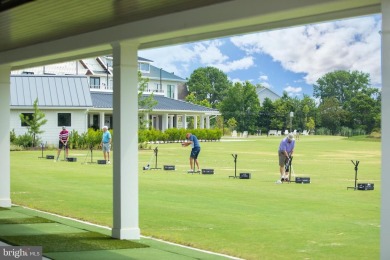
{"points": [[252, 219]]}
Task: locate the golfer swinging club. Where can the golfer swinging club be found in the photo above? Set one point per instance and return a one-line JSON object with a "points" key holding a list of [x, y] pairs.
{"points": [[286, 149], [193, 141], [63, 142]]}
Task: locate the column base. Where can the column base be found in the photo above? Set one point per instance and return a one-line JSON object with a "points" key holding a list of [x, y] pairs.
{"points": [[126, 233], [5, 203]]}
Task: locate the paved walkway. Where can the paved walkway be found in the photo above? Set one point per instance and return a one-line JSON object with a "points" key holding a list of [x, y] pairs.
{"points": [[157, 249]]}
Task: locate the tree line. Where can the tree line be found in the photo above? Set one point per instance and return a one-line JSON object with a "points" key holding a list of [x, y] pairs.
{"points": [[343, 102]]}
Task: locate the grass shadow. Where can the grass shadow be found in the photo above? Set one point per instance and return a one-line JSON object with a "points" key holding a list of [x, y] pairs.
{"points": [[72, 242]]}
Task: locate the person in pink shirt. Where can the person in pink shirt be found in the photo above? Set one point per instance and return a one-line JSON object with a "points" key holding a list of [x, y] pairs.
{"points": [[63, 142]]}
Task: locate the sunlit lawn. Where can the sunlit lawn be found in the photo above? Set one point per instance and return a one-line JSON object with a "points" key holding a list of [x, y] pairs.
{"points": [[252, 219]]}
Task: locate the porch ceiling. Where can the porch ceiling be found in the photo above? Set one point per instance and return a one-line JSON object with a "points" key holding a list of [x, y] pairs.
{"points": [[45, 31]]}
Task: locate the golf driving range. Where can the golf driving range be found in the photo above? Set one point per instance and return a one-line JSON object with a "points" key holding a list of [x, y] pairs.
{"points": [[254, 218]]}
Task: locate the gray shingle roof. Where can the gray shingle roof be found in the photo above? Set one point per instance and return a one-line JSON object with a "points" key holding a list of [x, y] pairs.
{"points": [[51, 91], [104, 100]]}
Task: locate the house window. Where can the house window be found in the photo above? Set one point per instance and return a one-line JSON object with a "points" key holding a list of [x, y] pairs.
{"points": [[28, 116], [158, 87], [171, 91], [64, 119], [94, 82], [144, 67]]}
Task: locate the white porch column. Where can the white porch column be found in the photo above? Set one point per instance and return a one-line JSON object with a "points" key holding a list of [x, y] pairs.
{"points": [[101, 119], [202, 122], [146, 118], [164, 122], [385, 205], [208, 122], [171, 121], [185, 121], [90, 119], [195, 122], [156, 122], [176, 121], [125, 117], [86, 121], [5, 165]]}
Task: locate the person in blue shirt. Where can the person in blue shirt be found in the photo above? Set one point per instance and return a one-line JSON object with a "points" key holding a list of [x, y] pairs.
{"points": [[106, 144], [286, 149], [194, 142]]}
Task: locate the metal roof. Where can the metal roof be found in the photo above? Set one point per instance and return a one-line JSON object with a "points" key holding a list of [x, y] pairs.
{"points": [[51, 91], [104, 100], [165, 75]]}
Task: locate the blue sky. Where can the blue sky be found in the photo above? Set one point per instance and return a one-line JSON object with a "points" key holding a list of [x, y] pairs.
{"points": [[289, 59]]}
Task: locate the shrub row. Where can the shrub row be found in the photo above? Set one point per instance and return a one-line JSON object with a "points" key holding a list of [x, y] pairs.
{"points": [[174, 135], [92, 137]]}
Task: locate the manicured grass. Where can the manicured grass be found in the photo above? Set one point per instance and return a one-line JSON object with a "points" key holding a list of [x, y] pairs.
{"points": [[72, 242], [31, 220], [252, 219]]}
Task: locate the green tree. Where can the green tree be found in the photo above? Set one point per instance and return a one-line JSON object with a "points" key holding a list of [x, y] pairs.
{"points": [[332, 114], [209, 83], [242, 103], [364, 111], [232, 123], [192, 99], [267, 111], [357, 106], [310, 125], [35, 122], [308, 109], [342, 85], [281, 116]]}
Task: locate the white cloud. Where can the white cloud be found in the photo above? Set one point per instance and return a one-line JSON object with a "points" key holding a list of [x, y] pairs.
{"points": [[352, 44], [175, 59], [266, 84], [263, 77], [240, 64], [209, 52], [235, 80], [292, 90], [181, 59]]}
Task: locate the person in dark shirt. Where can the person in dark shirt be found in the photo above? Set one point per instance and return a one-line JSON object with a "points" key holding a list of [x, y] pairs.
{"points": [[194, 142]]}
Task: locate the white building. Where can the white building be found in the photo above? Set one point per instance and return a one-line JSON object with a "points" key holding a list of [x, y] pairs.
{"points": [[79, 95]]}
